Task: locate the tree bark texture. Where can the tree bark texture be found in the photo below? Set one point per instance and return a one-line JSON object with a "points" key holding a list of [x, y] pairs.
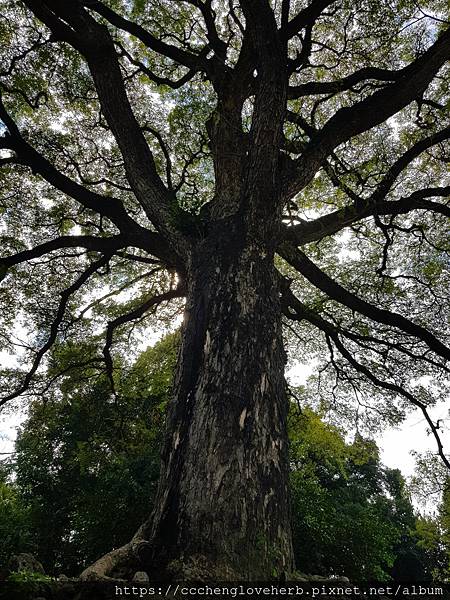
{"points": [[223, 492]]}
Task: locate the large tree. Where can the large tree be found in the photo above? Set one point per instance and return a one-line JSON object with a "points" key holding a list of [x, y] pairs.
{"points": [[216, 151]]}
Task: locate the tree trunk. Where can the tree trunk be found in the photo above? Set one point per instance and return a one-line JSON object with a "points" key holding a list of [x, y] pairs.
{"points": [[223, 496]]}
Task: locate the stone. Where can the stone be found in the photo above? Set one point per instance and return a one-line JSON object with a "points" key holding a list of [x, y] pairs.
{"points": [[25, 562], [141, 577]]}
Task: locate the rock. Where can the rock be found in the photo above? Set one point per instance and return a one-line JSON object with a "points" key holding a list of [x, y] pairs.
{"points": [[25, 562], [141, 577]]}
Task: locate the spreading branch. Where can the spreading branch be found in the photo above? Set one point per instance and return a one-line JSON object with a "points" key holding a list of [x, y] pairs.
{"points": [[295, 310], [65, 297], [366, 114], [305, 18], [103, 245], [95, 43], [178, 55], [314, 88], [204, 6], [376, 203], [312, 231], [334, 290], [106, 206], [133, 315]]}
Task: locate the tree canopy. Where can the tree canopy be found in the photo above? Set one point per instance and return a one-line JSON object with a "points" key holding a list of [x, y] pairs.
{"points": [[119, 119]]}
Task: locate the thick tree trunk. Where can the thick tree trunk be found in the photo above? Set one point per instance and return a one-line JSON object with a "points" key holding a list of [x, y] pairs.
{"points": [[222, 508], [223, 496]]}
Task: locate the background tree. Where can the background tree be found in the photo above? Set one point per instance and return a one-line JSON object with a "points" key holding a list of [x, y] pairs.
{"points": [[15, 530], [218, 152], [87, 467], [432, 548], [351, 515], [429, 487]]}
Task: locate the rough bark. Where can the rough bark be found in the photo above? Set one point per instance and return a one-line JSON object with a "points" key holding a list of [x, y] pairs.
{"points": [[224, 487]]}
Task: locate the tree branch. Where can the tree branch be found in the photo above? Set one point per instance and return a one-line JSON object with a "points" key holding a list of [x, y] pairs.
{"points": [[333, 222], [312, 231], [302, 313], [65, 297], [313, 88], [103, 245], [397, 389], [176, 54], [133, 315], [109, 207], [218, 45], [94, 42], [366, 114], [306, 17], [153, 76], [334, 290], [106, 206], [262, 193]]}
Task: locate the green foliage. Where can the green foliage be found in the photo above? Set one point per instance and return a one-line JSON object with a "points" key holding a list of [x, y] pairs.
{"points": [[87, 462], [15, 535], [27, 585], [432, 546], [28, 577], [351, 516], [444, 523]]}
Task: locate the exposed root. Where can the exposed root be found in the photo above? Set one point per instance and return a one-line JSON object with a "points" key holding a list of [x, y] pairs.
{"points": [[120, 563], [110, 563]]}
